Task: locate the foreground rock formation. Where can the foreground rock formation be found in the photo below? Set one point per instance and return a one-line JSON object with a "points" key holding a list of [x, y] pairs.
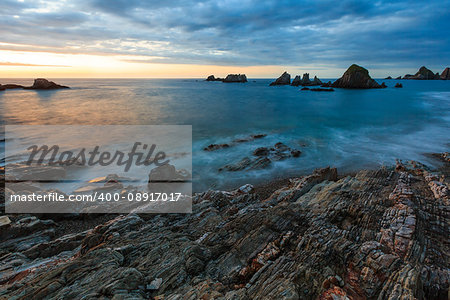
{"points": [[379, 234], [356, 77], [284, 79], [39, 84]]}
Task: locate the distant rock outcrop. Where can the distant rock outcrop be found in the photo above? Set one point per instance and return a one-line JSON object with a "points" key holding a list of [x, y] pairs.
{"points": [[284, 79], [445, 74], [39, 84], [423, 74], [306, 80], [398, 85], [316, 81], [399, 77], [235, 78], [44, 84], [356, 77], [389, 77], [297, 81], [212, 78], [326, 84], [229, 78]]}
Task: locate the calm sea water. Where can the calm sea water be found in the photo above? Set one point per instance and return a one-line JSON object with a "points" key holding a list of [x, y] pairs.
{"points": [[349, 129]]}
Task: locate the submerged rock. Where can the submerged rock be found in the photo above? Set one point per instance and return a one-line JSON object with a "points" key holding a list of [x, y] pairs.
{"points": [[356, 77], [263, 157], [322, 90], [44, 84], [214, 147], [284, 79]]}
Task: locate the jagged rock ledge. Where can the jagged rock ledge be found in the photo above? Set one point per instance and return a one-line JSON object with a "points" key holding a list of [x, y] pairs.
{"points": [[379, 234], [39, 84]]}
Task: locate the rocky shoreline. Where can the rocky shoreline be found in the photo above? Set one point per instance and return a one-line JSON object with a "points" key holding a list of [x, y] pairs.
{"points": [[374, 234]]}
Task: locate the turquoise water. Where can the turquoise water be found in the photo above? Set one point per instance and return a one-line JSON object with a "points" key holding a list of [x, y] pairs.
{"points": [[349, 129]]}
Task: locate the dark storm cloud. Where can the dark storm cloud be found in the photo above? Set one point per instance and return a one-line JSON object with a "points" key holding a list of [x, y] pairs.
{"points": [[381, 34]]}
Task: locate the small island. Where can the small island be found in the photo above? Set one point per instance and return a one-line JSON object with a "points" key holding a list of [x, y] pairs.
{"points": [[39, 84], [229, 79]]}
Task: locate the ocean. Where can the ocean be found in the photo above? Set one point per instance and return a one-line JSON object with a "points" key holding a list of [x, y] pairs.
{"points": [[347, 129]]}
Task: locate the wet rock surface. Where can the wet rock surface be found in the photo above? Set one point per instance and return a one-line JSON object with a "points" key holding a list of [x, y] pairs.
{"points": [[214, 147], [380, 234], [263, 157]]}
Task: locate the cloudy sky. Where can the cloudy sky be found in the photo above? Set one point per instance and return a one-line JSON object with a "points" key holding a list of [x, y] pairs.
{"points": [[180, 38]]}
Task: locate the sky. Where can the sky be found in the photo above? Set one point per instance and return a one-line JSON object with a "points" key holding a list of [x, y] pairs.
{"points": [[193, 39]]}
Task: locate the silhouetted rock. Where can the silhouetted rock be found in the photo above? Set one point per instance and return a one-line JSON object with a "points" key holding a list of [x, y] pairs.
{"points": [[389, 77], [306, 80], [212, 78], [297, 81], [284, 79], [316, 81], [304, 89], [423, 74], [383, 85], [356, 77], [398, 85], [322, 90], [235, 78], [399, 77], [44, 84], [326, 84], [445, 74], [12, 86], [2, 88]]}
